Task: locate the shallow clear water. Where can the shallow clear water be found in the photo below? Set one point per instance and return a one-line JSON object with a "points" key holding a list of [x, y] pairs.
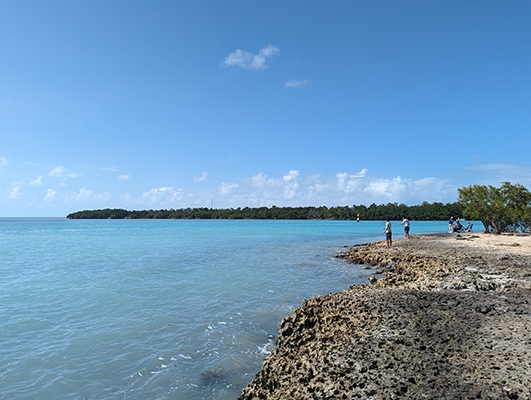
{"points": [[159, 309]]}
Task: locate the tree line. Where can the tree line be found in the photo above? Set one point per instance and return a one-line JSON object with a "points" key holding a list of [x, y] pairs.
{"points": [[501, 209], [393, 211]]}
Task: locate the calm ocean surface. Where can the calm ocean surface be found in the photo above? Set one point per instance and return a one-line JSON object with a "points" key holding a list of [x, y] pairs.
{"points": [[159, 309]]}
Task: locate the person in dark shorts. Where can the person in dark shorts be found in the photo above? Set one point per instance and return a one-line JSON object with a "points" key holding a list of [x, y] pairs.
{"points": [[406, 224], [388, 234]]}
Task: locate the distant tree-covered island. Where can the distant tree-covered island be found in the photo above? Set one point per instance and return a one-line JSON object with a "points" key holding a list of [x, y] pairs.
{"points": [[500, 209], [393, 211]]}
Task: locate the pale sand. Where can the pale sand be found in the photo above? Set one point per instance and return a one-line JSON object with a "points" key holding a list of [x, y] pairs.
{"points": [[510, 243]]}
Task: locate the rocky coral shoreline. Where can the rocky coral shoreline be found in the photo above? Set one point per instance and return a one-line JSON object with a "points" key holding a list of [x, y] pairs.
{"points": [[445, 317]]}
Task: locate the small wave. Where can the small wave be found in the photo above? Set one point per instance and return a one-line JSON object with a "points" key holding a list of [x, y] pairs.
{"points": [[266, 348]]}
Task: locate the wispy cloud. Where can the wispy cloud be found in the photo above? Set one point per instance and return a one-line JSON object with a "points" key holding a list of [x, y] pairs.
{"points": [[60, 172], [201, 178], [261, 180], [50, 195], [57, 172], [124, 177], [111, 169], [15, 192], [252, 61], [88, 196], [166, 195], [227, 188], [36, 182], [497, 173], [3, 161], [296, 83]]}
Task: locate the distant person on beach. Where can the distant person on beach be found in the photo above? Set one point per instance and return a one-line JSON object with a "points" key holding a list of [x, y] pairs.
{"points": [[388, 234], [405, 222]]}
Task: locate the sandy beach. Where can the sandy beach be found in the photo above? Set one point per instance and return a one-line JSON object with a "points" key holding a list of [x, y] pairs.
{"points": [[445, 316]]}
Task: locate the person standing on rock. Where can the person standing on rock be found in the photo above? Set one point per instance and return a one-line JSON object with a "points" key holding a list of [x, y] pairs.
{"points": [[405, 222], [388, 234]]}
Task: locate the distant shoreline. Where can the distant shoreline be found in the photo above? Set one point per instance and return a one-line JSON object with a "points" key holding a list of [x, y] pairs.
{"points": [[392, 211], [450, 318]]}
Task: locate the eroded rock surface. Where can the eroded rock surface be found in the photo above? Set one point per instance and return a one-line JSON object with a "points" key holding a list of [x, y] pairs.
{"points": [[449, 320]]}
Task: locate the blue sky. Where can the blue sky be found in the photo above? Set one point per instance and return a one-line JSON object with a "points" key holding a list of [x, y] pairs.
{"points": [[174, 104]]}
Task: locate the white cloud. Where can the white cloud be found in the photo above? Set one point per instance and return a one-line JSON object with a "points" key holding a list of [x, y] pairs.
{"points": [[15, 192], [36, 182], [293, 83], [3, 161], [88, 195], [362, 173], [387, 190], [201, 178], [124, 177], [57, 172], [291, 176], [162, 196], [246, 60], [261, 180], [350, 183], [60, 172], [50, 195], [291, 186], [227, 188], [84, 194]]}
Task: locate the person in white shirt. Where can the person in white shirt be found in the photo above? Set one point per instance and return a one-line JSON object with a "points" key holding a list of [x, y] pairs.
{"points": [[405, 222], [388, 234]]}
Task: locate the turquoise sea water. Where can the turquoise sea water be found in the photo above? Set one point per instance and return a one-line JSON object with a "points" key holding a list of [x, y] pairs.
{"points": [[159, 309]]}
